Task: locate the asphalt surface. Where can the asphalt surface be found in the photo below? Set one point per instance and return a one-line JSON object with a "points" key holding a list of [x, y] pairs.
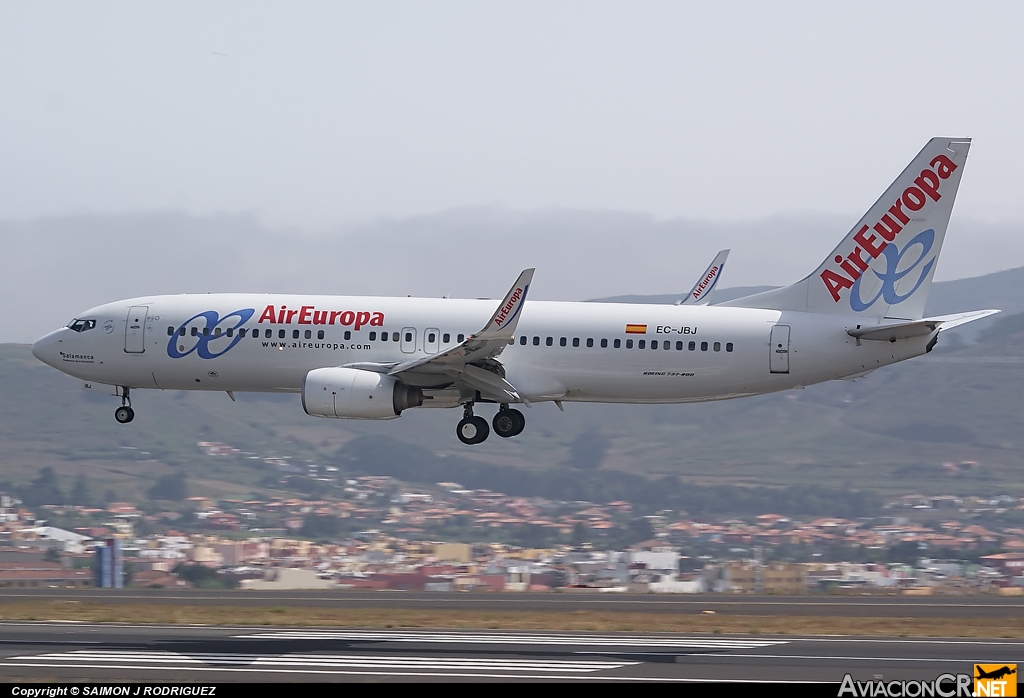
{"points": [[848, 606], [109, 653]]}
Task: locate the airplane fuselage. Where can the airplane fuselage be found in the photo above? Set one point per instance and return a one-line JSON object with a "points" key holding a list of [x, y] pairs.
{"points": [[592, 352]]}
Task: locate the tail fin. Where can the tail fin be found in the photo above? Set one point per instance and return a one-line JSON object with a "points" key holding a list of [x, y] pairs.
{"points": [[884, 267], [700, 294]]}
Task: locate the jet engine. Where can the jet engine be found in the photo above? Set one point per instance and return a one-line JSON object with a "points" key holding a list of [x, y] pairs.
{"points": [[351, 393]]}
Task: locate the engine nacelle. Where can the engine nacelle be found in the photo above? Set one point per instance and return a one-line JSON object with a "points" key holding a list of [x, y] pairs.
{"points": [[351, 393]]}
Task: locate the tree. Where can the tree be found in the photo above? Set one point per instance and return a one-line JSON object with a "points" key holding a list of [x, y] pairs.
{"points": [[44, 489], [587, 451], [170, 487], [321, 527], [81, 494], [580, 533]]}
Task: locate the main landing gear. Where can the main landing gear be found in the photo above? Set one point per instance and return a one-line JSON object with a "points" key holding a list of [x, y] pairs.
{"points": [[474, 430], [125, 413], [508, 422]]}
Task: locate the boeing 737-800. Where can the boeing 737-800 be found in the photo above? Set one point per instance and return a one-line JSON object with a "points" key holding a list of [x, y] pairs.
{"points": [[356, 357]]}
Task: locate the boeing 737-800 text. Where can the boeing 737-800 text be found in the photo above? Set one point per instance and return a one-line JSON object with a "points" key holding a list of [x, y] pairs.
{"points": [[372, 358]]}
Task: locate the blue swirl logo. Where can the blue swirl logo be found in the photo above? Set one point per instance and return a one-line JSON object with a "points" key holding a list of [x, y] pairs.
{"points": [[209, 334], [893, 274]]}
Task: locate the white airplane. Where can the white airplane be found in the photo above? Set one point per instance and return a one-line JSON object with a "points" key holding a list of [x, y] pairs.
{"points": [[372, 358], [700, 294]]}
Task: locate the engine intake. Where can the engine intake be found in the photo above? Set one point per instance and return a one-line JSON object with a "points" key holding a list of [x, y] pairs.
{"points": [[351, 393]]}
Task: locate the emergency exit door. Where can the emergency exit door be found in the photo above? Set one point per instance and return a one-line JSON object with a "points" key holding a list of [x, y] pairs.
{"points": [[779, 358]]}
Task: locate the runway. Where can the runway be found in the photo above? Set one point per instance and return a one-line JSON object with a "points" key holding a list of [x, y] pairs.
{"points": [[198, 654], [816, 605]]}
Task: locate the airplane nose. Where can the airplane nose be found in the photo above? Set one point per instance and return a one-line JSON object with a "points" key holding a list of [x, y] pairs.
{"points": [[43, 348]]}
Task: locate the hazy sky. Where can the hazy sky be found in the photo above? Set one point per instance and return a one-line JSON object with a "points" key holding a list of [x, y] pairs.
{"points": [[439, 148], [318, 114]]}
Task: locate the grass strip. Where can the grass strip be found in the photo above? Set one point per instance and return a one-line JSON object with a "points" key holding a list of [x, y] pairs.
{"points": [[583, 620]]}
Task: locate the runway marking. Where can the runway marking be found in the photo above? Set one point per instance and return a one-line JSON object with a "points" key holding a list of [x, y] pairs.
{"points": [[317, 663], [508, 639], [959, 660]]}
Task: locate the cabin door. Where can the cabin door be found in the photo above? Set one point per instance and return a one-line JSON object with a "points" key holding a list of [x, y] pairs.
{"points": [[135, 330]]}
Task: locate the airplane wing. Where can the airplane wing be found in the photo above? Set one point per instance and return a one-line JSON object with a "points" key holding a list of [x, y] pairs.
{"points": [[471, 363], [918, 328], [701, 291]]}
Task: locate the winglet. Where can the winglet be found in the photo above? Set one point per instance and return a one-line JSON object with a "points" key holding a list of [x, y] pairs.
{"points": [[503, 323], [701, 292]]}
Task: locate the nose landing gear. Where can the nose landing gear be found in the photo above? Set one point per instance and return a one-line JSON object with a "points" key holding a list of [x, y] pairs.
{"points": [[125, 413], [472, 430]]}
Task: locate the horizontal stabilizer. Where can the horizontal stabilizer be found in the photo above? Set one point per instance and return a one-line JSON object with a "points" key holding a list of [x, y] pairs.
{"points": [[918, 328]]}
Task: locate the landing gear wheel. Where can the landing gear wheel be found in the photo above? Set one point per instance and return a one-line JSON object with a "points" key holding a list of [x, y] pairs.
{"points": [[472, 430], [124, 414], [508, 423]]}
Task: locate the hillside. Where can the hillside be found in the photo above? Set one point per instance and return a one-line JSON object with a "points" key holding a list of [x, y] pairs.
{"points": [[943, 423]]}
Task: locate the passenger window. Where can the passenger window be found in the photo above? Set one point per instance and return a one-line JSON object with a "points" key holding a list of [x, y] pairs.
{"points": [[170, 331], [549, 341], [217, 332], [679, 346], [561, 342], [447, 338], [181, 331], [590, 341], [309, 334], [692, 346], [629, 343], [461, 338], [231, 332], [718, 346], [206, 331], [641, 344], [728, 346], [268, 334], [575, 341], [373, 336], [295, 334], [703, 346], [536, 341], [241, 332], [522, 340], [617, 343], [280, 334], [383, 336], [348, 334], [195, 331], [408, 336], [654, 344], [604, 343], [431, 337], [320, 334], [666, 344]]}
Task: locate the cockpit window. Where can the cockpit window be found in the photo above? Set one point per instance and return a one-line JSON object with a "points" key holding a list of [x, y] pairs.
{"points": [[81, 325]]}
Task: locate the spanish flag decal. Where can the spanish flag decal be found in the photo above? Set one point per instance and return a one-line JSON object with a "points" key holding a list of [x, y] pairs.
{"points": [[636, 329]]}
